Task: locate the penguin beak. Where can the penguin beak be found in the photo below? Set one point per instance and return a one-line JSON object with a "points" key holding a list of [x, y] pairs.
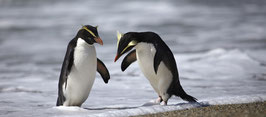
{"points": [[125, 50], [98, 40], [117, 57]]}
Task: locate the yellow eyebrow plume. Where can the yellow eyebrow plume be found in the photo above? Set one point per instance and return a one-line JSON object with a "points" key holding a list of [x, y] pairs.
{"points": [[84, 27], [119, 36], [132, 43]]}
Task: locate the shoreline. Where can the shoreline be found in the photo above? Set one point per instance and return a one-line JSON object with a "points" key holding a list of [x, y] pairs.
{"points": [[255, 109]]}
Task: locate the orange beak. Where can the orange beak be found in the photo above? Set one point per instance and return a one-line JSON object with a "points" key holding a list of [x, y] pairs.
{"points": [[116, 58], [98, 40]]}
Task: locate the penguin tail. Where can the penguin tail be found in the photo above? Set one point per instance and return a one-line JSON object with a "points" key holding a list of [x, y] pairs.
{"points": [[181, 93], [188, 98]]}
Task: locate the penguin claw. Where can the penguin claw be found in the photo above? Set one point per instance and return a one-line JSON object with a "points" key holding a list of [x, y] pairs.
{"points": [[157, 101]]}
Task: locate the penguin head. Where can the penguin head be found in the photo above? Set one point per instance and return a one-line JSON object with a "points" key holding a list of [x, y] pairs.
{"points": [[89, 34], [125, 42]]}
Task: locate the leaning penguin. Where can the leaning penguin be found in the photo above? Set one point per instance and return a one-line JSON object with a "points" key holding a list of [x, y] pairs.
{"points": [[155, 60], [79, 68]]}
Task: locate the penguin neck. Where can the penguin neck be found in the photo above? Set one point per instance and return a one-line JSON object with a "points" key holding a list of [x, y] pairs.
{"points": [[143, 46], [82, 43]]}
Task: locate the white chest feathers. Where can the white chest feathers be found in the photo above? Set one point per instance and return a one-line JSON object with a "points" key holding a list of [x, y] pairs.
{"points": [[145, 56], [82, 75]]}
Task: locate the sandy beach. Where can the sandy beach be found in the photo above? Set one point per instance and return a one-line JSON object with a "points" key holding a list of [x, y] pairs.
{"points": [[257, 109]]}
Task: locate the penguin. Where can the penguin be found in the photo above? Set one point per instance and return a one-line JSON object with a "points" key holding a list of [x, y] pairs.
{"points": [[156, 61], [79, 68]]}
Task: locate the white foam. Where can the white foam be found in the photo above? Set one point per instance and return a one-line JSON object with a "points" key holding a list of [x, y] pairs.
{"points": [[182, 106], [220, 63], [70, 108]]}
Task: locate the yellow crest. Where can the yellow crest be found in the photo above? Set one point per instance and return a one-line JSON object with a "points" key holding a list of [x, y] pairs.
{"points": [[119, 36], [84, 27]]}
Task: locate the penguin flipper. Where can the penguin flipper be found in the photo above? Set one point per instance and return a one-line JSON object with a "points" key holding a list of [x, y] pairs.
{"points": [[130, 58], [101, 68], [158, 57], [66, 68]]}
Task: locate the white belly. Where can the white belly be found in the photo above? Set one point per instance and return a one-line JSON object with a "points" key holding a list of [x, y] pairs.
{"points": [[145, 56], [82, 75]]}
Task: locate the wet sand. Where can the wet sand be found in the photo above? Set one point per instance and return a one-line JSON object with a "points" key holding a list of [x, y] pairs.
{"points": [[257, 109]]}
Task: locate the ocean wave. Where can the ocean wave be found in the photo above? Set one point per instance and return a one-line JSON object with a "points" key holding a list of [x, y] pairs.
{"points": [[18, 89], [220, 63]]}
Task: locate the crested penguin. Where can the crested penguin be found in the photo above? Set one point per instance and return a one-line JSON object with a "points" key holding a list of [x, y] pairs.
{"points": [[79, 68], [155, 60]]}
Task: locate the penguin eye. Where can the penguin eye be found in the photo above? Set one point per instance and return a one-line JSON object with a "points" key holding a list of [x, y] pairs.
{"points": [[91, 39]]}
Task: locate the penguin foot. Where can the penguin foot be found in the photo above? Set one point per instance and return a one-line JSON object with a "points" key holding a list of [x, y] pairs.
{"points": [[157, 101], [164, 103]]}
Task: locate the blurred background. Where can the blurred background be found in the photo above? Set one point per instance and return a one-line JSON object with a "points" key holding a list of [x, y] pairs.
{"points": [[220, 48]]}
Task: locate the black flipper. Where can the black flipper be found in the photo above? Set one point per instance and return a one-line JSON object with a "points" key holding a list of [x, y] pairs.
{"points": [[66, 68], [130, 58], [158, 57], [101, 68]]}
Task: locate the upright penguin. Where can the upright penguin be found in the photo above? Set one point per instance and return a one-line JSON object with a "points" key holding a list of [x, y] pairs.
{"points": [[79, 68], [155, 60]]}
